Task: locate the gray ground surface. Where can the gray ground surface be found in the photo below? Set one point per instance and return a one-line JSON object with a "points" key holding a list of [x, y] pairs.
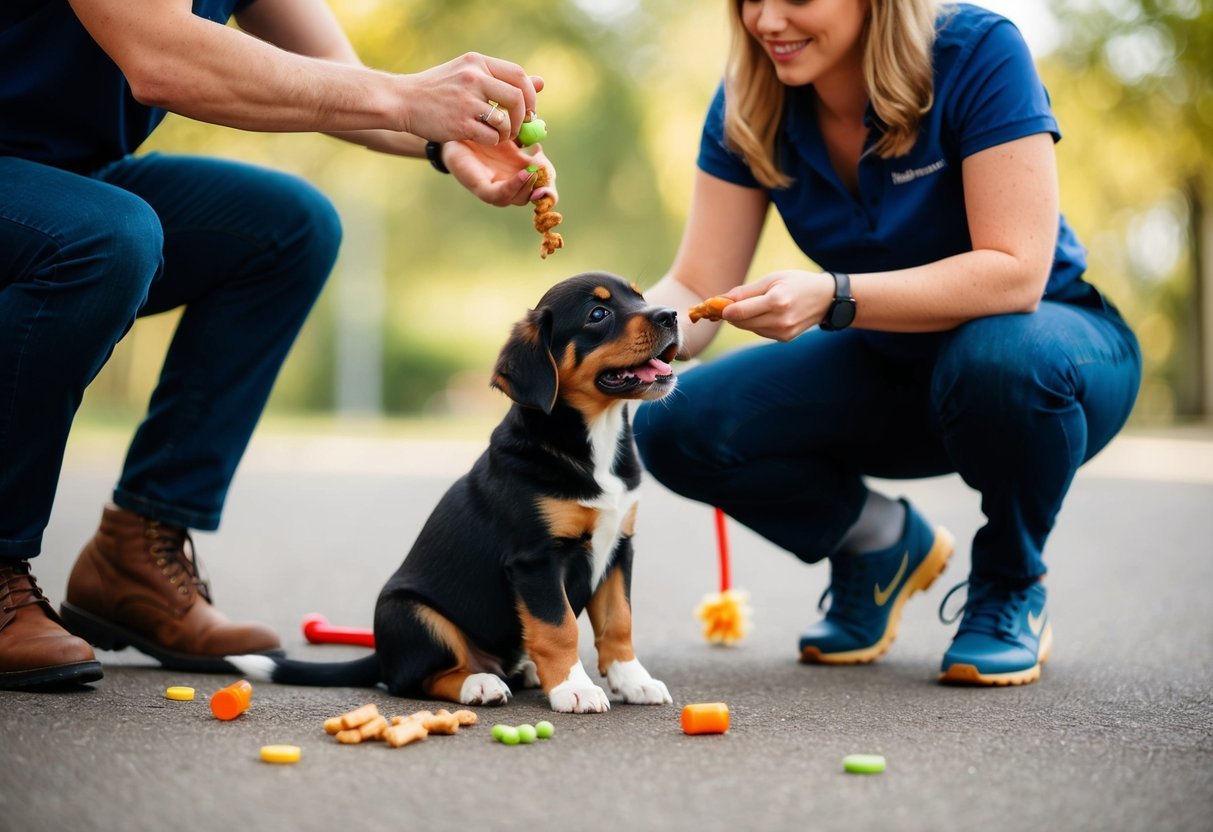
{"points": [[1117, 735]]}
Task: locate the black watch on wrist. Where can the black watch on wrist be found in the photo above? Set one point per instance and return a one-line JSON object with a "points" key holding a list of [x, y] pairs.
{"points": [[842, 309], [433, 152]]}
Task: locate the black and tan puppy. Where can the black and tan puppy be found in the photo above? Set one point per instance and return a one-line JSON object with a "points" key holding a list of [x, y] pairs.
{"points": [[540, 528]]}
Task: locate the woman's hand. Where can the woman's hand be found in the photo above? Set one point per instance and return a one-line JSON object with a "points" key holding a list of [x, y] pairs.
{"points": [[497, 174], [782, 304]]}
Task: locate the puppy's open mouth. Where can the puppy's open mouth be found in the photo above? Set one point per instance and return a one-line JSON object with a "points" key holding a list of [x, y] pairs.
{"points": [[655, 371]]}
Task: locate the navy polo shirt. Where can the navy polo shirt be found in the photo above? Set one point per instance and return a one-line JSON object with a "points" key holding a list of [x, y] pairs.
{"points": [[910, 210], [63, 102]]}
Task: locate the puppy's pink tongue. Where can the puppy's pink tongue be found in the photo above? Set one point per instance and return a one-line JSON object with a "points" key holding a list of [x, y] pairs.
{"points": [[649, 372]]}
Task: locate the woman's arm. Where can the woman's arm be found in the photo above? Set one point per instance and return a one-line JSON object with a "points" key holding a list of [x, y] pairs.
{"points": [[1012, 206], [718, 244]]}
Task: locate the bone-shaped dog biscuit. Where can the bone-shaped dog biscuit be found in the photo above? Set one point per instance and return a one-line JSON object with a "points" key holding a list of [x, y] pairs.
{"points": [[403, 733]]}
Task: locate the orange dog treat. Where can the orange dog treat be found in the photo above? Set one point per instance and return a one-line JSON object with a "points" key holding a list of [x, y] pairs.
{"points": [[403, 733], [359, 716], [332, 725], [710, 309], [545, 218], [705, 718], [465, 718], [416, 716], [372, 730], [443, 722]]}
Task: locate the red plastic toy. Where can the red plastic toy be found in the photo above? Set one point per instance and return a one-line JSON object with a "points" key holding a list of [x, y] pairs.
{"points": [[317, 630]]}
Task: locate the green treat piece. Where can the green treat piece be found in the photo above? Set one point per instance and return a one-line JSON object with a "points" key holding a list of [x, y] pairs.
{"points": [[544, 730], [863, 763], [532, 168], [509, 735], [527, 734], [499, 731], [531, 132]]}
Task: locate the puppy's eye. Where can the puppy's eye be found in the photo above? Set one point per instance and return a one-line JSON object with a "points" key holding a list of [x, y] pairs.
{"points": [[599, 314]]}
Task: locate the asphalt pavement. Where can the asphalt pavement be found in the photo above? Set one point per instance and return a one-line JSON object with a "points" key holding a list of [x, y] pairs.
{"points": [[1117, 735]]}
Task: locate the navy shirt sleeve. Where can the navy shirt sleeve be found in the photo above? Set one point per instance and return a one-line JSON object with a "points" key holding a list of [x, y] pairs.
{"points": [[715, 158], [1000, 97]]}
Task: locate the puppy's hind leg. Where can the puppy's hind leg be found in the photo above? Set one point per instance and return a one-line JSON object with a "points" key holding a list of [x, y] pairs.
{"points": [[460, 678]]}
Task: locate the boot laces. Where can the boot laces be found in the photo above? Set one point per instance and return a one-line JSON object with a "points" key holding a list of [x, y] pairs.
{"points": [[174, 551], [988, 609], [847, 589], [23, 589]]}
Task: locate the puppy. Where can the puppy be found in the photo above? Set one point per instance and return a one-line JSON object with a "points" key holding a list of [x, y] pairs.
{"points": [[539, 529]]}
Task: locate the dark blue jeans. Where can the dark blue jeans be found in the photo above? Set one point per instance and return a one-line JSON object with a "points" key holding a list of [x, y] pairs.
{"points": [[781, 436], [244, 250]]}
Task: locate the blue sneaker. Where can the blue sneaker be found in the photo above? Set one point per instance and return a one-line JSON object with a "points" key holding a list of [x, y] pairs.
{"points": [[1003, 639], [868, 592]]}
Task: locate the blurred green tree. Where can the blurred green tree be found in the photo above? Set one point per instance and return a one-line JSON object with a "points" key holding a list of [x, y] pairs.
{"points": [[1137, 74]]}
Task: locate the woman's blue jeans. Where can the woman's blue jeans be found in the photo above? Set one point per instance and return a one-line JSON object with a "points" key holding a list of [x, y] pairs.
{"points": [[780, 436], [244, 250]]}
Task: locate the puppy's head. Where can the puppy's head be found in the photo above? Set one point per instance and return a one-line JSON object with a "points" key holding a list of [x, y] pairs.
{"points": [[591, 341]]}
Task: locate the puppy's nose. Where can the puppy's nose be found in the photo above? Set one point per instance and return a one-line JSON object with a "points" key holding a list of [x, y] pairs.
{"points": [[665, 317]]}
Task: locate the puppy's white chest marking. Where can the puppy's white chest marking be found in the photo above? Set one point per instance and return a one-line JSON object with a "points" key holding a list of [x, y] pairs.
{"points": [[615, 501]]}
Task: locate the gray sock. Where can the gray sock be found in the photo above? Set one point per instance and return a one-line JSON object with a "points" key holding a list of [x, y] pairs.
{"points": [[879, 526]]}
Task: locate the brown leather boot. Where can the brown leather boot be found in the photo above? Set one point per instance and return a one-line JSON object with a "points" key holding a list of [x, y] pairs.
{"points": [[136, 583], [35, 650]]}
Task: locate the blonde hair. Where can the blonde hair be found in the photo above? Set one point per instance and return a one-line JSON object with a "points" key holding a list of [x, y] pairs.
{"points": [[897, 70]]}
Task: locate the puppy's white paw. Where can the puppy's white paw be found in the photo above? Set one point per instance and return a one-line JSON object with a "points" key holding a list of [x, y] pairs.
{"points": [[584, 700], [530, 675], [483, 689], [631, 681], [578, 695]]}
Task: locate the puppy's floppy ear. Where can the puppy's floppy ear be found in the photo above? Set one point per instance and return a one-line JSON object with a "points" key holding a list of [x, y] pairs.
{"points": [[526, 370]]}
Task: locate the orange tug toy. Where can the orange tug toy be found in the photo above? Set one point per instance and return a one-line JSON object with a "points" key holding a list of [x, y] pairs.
{"points": [[230, 702]]}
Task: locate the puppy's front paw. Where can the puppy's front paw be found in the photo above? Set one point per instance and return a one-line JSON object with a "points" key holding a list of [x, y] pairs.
{"points": [[483, 689], [631, 681], [590, 699], [578, 695]]}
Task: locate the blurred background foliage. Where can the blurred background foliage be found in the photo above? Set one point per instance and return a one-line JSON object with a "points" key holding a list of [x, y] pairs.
{"points": [[430, 279]]}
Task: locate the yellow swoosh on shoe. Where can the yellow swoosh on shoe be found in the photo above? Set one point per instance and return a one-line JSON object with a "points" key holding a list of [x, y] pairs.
{"points": [[882, 595], [1036, 622]]}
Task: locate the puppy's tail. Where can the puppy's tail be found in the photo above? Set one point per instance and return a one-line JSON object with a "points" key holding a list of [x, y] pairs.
{"points": [[359, 673]]}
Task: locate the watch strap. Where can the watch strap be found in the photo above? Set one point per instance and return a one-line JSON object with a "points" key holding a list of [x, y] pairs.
{"points": [[841, 311], [433, 152], [842, 286]]}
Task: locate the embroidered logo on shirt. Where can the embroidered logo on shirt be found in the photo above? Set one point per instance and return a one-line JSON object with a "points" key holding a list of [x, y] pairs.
{"points": [[900, 177]]}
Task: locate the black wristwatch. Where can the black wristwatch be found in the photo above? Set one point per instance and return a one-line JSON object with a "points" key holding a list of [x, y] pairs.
{"points": [[842, 309], [433, 152]]}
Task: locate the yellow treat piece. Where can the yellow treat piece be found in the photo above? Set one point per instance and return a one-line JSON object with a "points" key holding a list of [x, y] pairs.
{"points": [[281, 753], [179, 693]]}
